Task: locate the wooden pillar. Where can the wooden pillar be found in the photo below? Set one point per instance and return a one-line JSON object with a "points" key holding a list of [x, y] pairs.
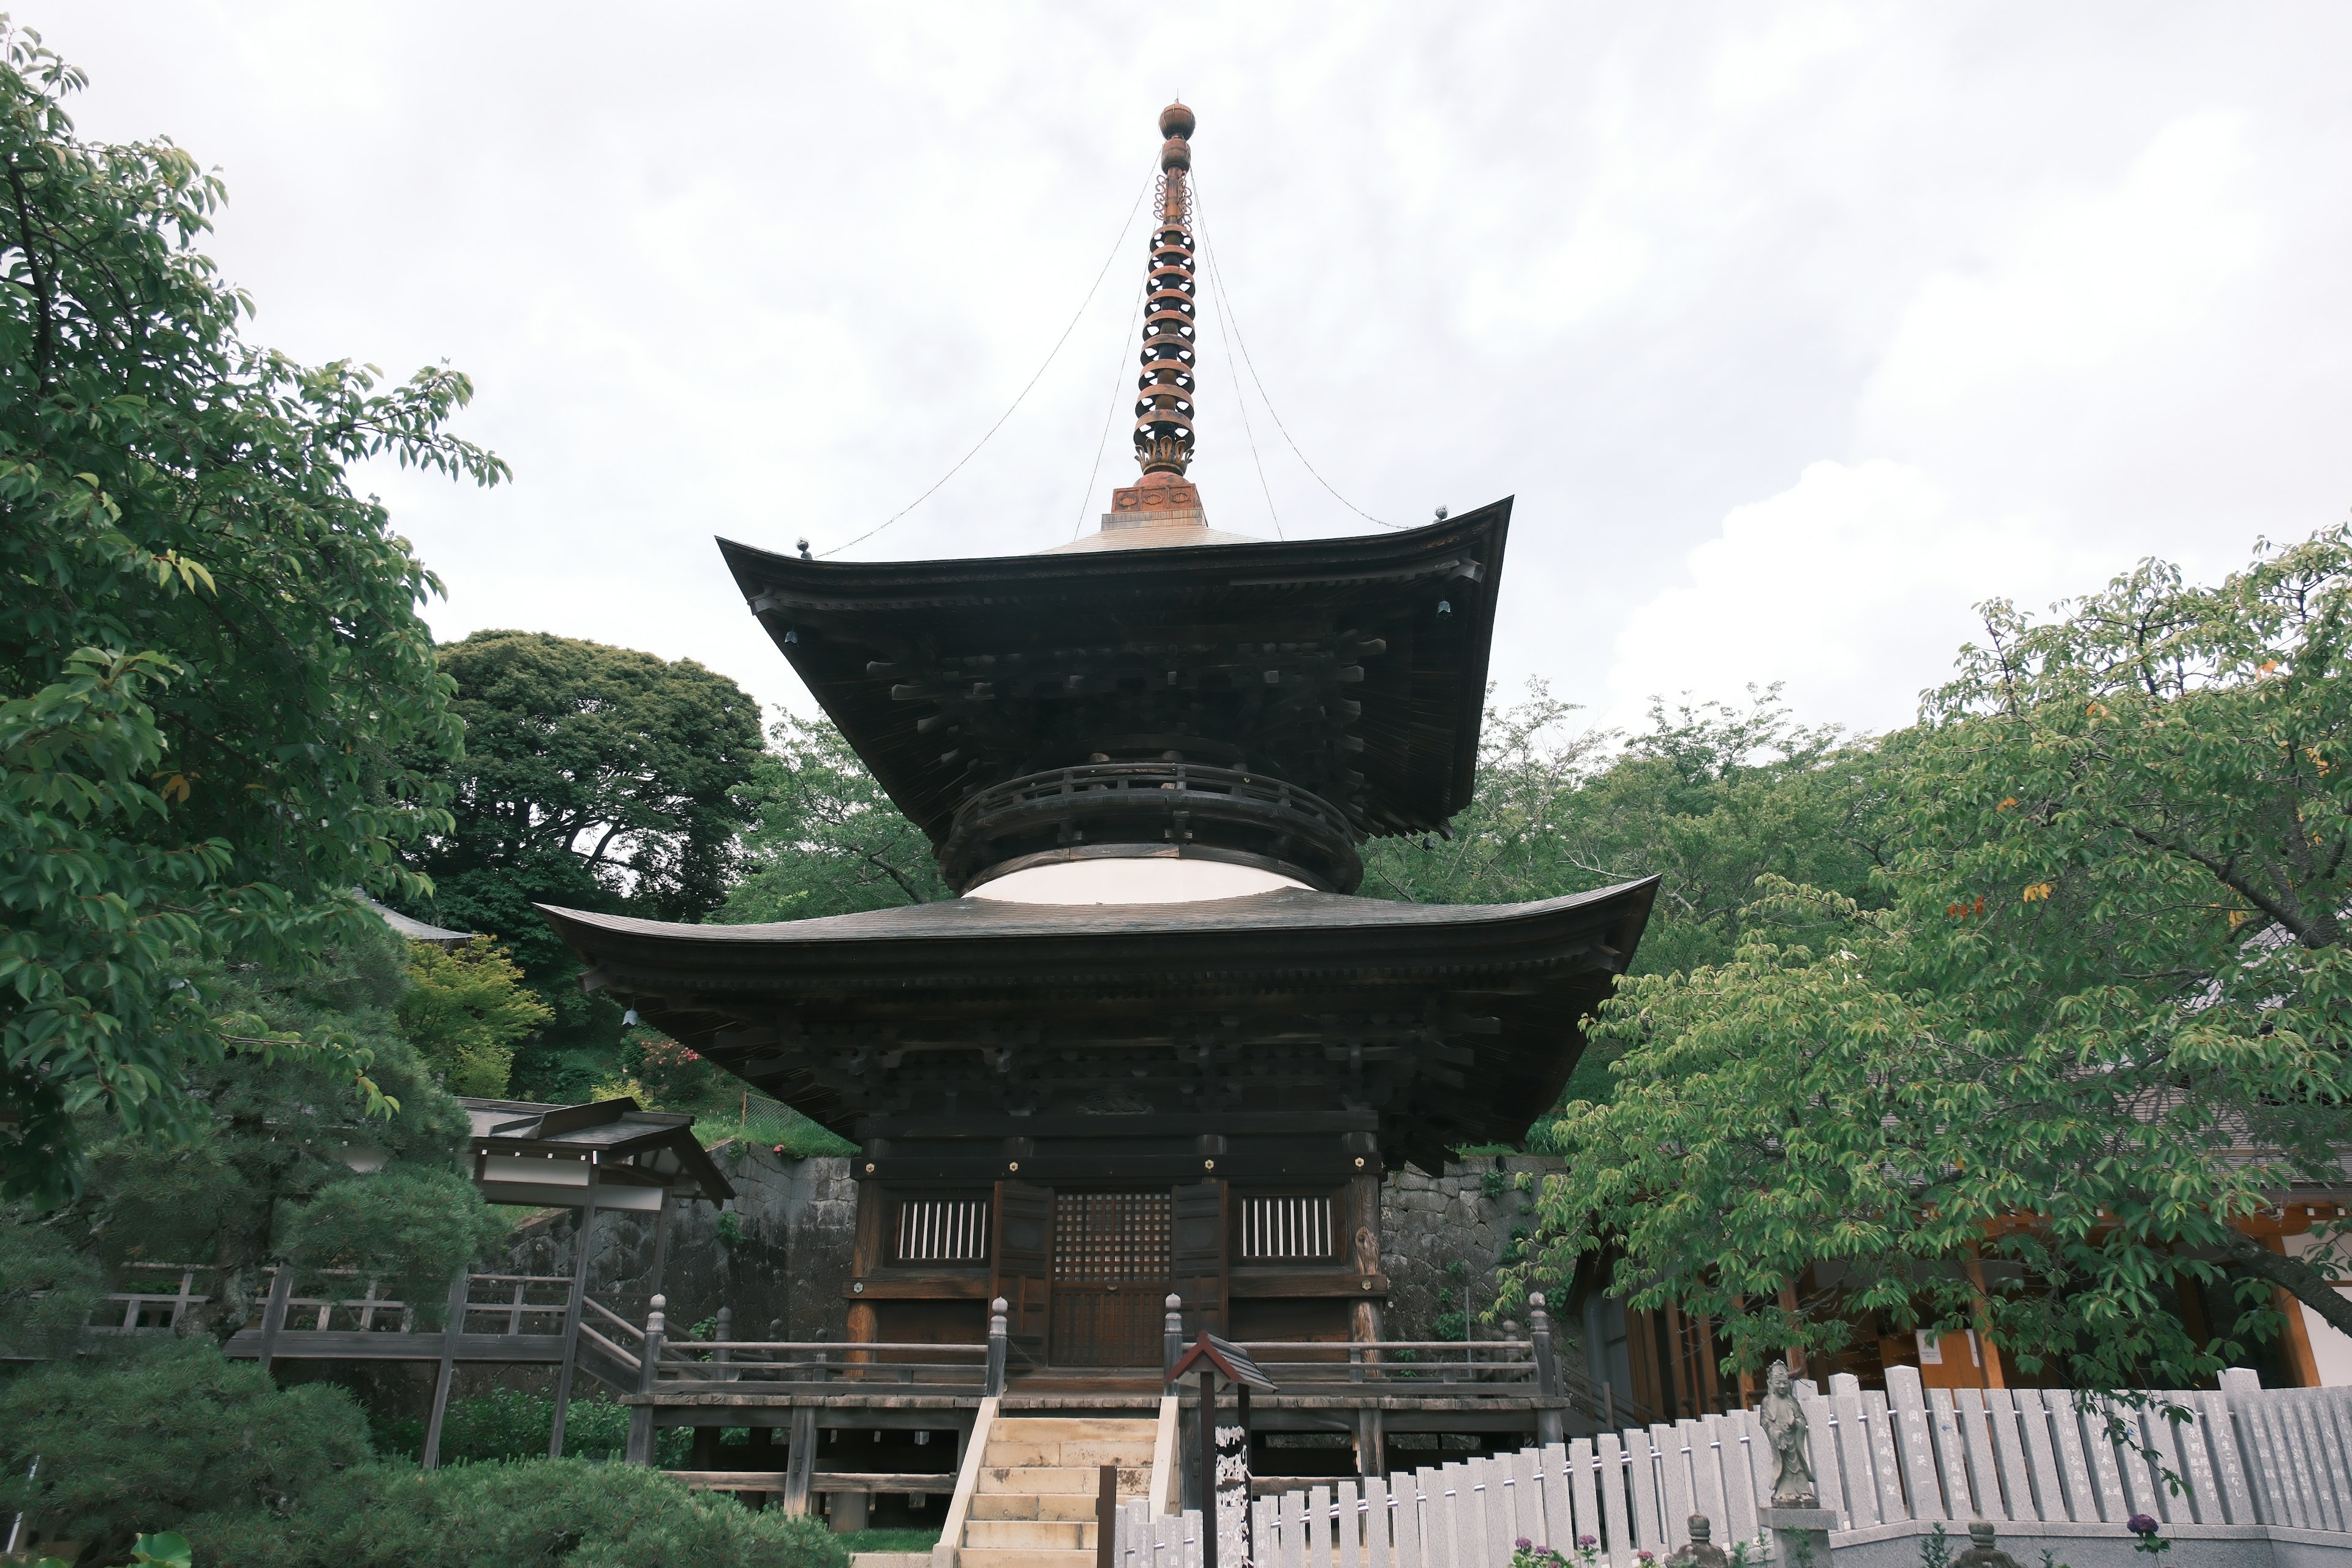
{"points": [[661, 1244], [1992, 1373], [2295, 1339], [1795, 1354], [799, 1465], [451, 1327], [273, 1312], [575, 1308]]}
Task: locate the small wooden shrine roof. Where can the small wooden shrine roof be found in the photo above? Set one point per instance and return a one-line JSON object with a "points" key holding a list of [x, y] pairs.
{"points": [[539, 1155], [1353, 667], [1224, 1358], [1440, 1025]]}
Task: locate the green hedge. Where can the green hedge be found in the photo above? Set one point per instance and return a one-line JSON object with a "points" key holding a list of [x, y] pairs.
{"points": [[516, 1515]]}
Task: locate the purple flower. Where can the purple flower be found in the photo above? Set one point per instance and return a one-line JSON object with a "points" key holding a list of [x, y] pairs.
{"points": [[1586, 1543], [1523, 1543], [2140, 1524]]}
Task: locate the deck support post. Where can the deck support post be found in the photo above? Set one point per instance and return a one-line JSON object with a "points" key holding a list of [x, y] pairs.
{"points": [[799, 1465], [574, 1310], [273, 1314], [641, 1417], [453, 1324]]}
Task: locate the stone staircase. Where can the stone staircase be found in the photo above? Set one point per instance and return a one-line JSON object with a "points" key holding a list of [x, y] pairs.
{"points": [[1033, 1506]]}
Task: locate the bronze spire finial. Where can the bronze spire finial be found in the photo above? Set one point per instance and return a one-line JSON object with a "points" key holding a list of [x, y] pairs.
{"points": [[1163, 400]]}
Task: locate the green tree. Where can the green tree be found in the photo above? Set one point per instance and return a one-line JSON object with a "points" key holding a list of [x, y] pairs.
{"points": [[825, 840], [592, 777], [465, 1009], [210, 656], [2107, 1012], [287, 1160], [1708, 798]]}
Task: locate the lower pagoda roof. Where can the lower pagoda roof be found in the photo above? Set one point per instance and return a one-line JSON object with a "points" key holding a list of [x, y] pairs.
{"points": [[1437, 1025]]}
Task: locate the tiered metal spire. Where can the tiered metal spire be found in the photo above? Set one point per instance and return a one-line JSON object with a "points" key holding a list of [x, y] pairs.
{"points": [[1163, 497], [1163, 403]]}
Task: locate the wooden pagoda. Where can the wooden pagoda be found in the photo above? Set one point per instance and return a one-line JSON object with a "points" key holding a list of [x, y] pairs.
{"points": [[1159, 1044]]}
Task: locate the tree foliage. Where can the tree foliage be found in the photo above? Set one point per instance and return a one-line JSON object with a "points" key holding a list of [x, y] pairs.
{"points": [[825, 840], [210, 657], [593, 777], [277, 1139], [2106, 1014], [465, 1009]]}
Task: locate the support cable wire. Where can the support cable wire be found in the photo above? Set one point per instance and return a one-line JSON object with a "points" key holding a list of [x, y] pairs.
{"points": [[1118, 379], [1240, 402], [1125, 224], [1217, 282]]}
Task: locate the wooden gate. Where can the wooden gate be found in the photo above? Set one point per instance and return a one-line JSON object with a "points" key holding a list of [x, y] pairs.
{"points": [[1112, 1268]]}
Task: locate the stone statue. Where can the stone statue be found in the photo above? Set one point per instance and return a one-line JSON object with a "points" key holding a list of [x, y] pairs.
{"points": [[1701, 1552], [1981, 1551], [1784, 1423]]}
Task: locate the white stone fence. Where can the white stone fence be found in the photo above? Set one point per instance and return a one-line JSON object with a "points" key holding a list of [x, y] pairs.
{"points": [[2251, 1478]]}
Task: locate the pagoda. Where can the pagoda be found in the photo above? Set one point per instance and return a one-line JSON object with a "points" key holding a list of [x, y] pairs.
{"points": [[1159, 1044]]}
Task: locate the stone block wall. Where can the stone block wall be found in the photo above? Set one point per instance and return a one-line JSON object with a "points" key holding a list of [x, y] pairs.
{"points": [[1441, 1233], [776, 1257]]}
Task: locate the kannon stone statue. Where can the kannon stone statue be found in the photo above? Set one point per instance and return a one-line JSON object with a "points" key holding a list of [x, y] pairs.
{"points": [[1793, 1485]]}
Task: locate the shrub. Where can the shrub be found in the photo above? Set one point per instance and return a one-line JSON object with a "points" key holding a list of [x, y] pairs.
{"points": [[516, 1515], [417, 1227], [141, 1437]]}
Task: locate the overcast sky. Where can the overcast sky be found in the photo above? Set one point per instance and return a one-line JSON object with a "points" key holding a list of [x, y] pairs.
{"points": [[1794, 329]]}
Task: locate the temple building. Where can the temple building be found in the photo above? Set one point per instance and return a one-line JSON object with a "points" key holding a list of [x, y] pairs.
{"points": [[1159, 1044]]}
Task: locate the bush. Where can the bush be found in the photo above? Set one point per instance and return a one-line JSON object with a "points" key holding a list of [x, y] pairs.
{"points": [[415, 1227], [140, 1437], [517, 1515]]}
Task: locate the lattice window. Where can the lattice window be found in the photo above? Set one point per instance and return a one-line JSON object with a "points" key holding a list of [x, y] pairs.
{"points": [[1286, 1230], [1112, 1237], [942, 1230]]}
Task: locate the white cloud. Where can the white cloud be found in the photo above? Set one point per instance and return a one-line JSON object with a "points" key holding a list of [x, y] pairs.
{"points": [[2131, 272], [1854, 585]]}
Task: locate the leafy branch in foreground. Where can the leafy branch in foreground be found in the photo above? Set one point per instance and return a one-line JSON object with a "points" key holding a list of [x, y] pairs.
{"points": [[211, 662]]}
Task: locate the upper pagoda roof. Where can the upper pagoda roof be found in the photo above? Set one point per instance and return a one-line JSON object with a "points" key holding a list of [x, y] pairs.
{"points": [[1354, 668]]}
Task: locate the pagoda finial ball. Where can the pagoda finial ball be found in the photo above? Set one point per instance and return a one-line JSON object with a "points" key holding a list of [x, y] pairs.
{"points": [[1176, 120], [1175, 153]]}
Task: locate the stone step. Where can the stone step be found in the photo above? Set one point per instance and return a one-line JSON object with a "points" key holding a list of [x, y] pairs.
{"points": [[1072, 1426], [1027, 1535], [1026, 1557], [1006, 1448], [1042, 1480], [1035, 1505]]}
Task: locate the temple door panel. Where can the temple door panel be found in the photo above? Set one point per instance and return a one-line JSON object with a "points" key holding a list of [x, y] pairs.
{"points": [[1203, 1225], [1112, 1265], [1025, 1267]]}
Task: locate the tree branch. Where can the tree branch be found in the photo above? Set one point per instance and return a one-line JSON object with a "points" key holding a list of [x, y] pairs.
{"points": [[2292, 1275], [45, 332]]}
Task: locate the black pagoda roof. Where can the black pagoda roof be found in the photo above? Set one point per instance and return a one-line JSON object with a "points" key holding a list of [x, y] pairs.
{"points": [[1438, 1025], [1354, 668]]}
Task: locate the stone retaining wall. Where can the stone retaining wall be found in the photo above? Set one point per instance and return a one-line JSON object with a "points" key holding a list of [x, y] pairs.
{"points": [[1441, 1233]]}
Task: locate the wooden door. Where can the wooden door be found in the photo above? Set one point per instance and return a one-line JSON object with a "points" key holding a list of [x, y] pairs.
{"points": [[1024, 1274], [1201, 1228], [1112, 1265]]}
